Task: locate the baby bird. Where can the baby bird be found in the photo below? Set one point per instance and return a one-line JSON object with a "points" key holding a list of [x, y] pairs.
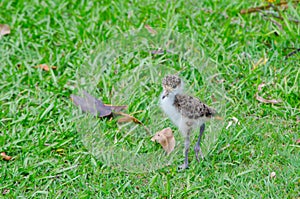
{"points": [[186, 112]]}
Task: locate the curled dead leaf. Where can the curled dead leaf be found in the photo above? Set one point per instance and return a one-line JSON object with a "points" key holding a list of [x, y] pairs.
{"points": [[263, 100], [45, 67], [166, 139], [90, 104], [115, 108], [5, 157], [127, 118], [4, 29]]}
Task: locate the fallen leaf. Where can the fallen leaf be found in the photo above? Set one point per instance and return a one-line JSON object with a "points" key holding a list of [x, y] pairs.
{"points": [[127, 118], [166, 139], [45, 67], [150, 29], [115, 108], [4, 29], [94, 106], [273, 174], [263, 100], [5, 191], [5, 157], [90, 104]]}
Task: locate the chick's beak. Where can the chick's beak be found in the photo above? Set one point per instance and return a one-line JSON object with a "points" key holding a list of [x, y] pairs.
{"points": [[166, 92]]}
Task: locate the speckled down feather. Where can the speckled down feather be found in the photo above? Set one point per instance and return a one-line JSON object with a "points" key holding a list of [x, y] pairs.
{"points": [[172, 81], [192, 108]]}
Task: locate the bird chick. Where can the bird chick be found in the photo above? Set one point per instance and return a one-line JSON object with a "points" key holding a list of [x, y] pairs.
{"points": [[185, 111]]}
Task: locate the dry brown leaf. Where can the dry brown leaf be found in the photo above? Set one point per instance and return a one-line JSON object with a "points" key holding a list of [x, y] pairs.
{"points": [[90, 104], [115, 108], [166, 139], [271, 101], [127, 118], [150, 29], [94, 106], [4, 29], [45, 67], [5, 157]]}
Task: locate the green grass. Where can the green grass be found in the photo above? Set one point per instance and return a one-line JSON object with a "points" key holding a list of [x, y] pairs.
{"points": [[45, 134]]}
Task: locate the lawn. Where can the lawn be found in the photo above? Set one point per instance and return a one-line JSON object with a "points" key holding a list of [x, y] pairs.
{"points": [[119, 51]]}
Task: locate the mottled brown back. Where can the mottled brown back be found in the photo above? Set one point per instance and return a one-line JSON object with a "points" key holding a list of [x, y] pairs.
{"points": [[192, 108]]}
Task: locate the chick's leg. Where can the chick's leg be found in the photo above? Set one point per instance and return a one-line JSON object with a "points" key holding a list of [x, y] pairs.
{"points": [[186, 153], [197, 146]]}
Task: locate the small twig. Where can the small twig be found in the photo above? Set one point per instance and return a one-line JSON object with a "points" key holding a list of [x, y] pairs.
{"points": [[279, 17], [257, 9], [292, 53], [273, 21]]}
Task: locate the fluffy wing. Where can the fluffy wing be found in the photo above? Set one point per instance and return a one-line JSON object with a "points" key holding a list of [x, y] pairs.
{"points": [[192, 107]]}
